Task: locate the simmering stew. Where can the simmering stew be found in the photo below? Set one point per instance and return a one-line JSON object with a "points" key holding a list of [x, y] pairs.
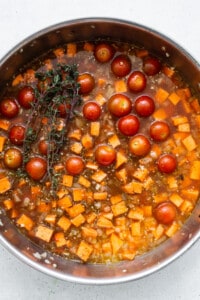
{"points": [[99, 151]]}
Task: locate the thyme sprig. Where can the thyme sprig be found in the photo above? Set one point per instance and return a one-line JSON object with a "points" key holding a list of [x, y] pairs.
{"points": [[55, 87]]}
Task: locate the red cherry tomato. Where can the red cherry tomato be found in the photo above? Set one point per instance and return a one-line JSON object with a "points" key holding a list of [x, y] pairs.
{"points": [[16, 134], [144, 106], [119, 105], [128, 125], [36, 168], [103, 52], [43, 147], [105, 155], [86, 82], [139, 145], [91, 111], [13, 158], [121, 65], [136, 82], [26, 97], [165, 213], [159, 131], [151, 66], [63, 109], [9, 108], [167, 163], [74, 165]]}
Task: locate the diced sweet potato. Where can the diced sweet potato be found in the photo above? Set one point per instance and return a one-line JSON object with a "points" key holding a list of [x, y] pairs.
{"points": [[17, 80], [120, 160], [78, 194], [87, 141], [50, 218], [119, 208], [136, 214], [161, 95], [174, 98], [104, 222], [184, 127], [176, 199], [44, 233], [147, 210], [8, 204], [177, 120], [136, 229], [71, 49], [75, 134], [189, 143], [114, 141], [100, 195], [64, 223], [78, 220], [25, 221], [195, 170], [5, 184], [172, 229], [67, 180], [122, 175], [116, 199], [84, 251], [133, 187], [95, 128], [84, 181], [99, 176], [91, 217], [59, 238], [76, 147], [159, 231], [100, 99], [141, 174], [65, 202], [88, 232], [4, 124], [160, 114], [2, 142], [120, 86], [116, 243], [91, 165], [75, 210]]}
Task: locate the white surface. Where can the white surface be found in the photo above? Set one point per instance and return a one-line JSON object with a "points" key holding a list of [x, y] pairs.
{"points": [[180, 20]]}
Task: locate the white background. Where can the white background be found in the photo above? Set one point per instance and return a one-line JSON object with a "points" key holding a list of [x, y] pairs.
{"points": [[178, 19]]}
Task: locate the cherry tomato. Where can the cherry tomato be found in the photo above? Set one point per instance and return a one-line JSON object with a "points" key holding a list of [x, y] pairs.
{"points": [[86, 82], [105, 155], [136, 82], [139, 145], [13, 158], [119, 105], [103, 52], [159, 131], [167, 163], [9, 108], [63, 109], [36, 168], [91, 111], [144, 106], [74, 165], [165, 213], [43, 147], [121, 65], [151, 66], [16, 134], [129, 125], [26, 97]]}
